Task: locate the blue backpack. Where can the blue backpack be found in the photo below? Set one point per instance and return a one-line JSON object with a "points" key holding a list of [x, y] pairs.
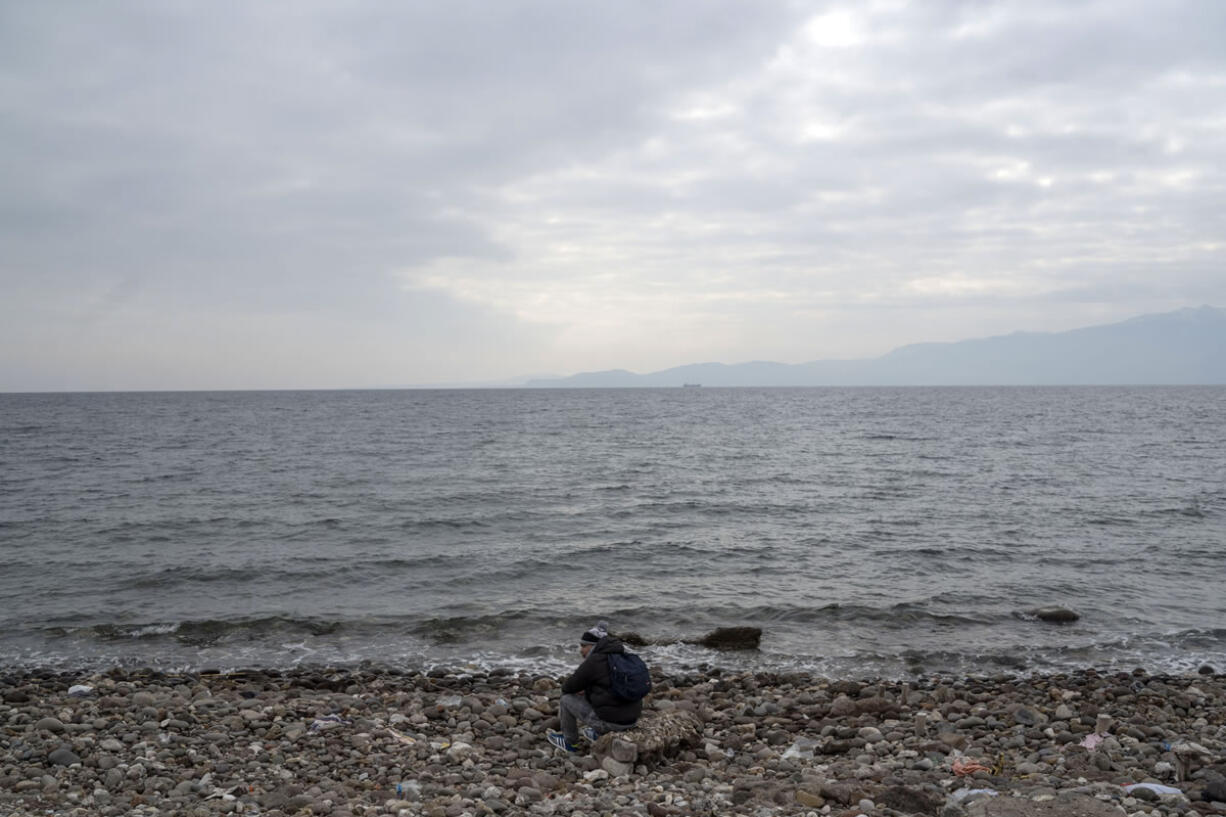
{"points": [[628, 676]]}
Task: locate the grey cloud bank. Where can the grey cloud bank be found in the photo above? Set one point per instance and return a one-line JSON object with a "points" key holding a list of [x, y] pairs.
{"points": [[317, 194]]}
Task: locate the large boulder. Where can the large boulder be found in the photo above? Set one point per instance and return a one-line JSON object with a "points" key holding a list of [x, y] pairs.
{"points": [[732, 638], [1054, 615], [721, 638], [657, 735]]}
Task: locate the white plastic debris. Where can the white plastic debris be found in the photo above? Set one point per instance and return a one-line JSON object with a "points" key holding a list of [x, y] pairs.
{"points": [[802, 748], [1156, 788], [963, 794], [1092, 741]]}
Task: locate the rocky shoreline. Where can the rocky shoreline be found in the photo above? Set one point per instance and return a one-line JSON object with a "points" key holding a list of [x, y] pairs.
{"points": [[366, 742]]}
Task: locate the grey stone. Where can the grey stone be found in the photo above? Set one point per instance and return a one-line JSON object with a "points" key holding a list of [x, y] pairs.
{"points": [[910, 800], [842, 707], [623, 751], [298, 802], [616, 768], [545, 781], [845, 793], [63, 756], [1025, 716], [49, 725]]}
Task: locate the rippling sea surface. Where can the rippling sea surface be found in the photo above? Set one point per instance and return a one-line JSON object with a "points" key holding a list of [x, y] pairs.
{"points": [[868, 532]]}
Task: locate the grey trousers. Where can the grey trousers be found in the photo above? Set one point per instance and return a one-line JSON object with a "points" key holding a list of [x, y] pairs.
{"points": [[574, 708]]}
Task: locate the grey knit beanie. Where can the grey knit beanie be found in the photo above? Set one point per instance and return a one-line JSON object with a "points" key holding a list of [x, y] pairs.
{"points": [[595, 633]]}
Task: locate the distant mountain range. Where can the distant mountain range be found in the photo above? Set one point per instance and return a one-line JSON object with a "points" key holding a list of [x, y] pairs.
{"points": [[1187, 346]]}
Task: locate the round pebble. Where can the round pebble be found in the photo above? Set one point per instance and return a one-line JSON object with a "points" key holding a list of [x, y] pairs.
{"points": [[370, 743]]}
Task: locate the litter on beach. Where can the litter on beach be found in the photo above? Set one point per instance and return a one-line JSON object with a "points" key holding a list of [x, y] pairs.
{"points": [[1156, 788], [802, 748], [401, 737], [964, 766], [962, 794], [1092, 741], [328, 722]]}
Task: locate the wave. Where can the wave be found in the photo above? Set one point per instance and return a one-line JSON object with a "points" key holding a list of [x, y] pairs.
{"points": [[480, 625], [25, 428], [528, 639], [1012, 658], [897, 616], [449, 523], [180, 476], [457, 629], [883, 437], [202, 632], [900, 615], [1111, 521], [285, 573], [1200, 507]]}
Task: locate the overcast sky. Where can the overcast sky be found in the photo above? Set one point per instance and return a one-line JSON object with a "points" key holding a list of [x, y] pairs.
{"points": [[306, 194]]}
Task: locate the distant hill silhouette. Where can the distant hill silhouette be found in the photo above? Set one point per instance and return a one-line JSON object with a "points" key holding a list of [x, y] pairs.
{"points": [[1187, 346]]}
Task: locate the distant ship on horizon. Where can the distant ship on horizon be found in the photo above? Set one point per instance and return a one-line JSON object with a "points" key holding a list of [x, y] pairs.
{"points": [[691, 385]]}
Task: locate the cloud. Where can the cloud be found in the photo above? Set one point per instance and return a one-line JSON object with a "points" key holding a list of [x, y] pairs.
{"points": [[581, 186]]}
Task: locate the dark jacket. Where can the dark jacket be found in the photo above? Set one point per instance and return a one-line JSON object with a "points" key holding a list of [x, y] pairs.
{"points": [[592, 679]]}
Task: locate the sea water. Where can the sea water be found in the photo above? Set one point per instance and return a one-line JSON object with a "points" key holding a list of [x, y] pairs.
{"points": [[868, 532]]}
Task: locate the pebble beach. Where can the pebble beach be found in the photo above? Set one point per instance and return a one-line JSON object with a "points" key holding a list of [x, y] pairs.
{"points": [[368, 742]]}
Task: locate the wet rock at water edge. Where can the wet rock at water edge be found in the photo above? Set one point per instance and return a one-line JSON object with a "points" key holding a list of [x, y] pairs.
{"points": [[732, 638], [1054, 615], [721, 638], [632, 639]]}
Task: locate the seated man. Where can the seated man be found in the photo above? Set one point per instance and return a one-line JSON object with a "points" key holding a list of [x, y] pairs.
{"points": [[587, 695]]}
